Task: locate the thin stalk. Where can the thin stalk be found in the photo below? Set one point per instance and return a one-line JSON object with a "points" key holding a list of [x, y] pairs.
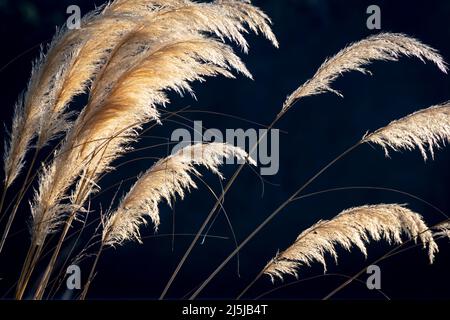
{"points": [[348, 188], [4, 191], [313, 278], [91, 274], [387, 255], [44, 280], [29, 268], [250, 285], [19, 200], [30, 262], [270, 217]]}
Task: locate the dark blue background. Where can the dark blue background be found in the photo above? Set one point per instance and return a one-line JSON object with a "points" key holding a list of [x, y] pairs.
{"points": [[318, 129]]}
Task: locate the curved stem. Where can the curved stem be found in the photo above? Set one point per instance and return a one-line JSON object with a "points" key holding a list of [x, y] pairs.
{"points": [[250, 285], [342, 189], [313, 278], [2, 201], [21, 193], [91, 274], [387, 255], [44, 280]]}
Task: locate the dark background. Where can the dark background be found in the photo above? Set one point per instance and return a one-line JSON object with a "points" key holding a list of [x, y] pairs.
{"points": [[317, 130]]}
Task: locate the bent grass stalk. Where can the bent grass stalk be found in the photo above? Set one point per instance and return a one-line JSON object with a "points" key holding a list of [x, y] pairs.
{"points": [[31, 260], [81, 195], [355, 227], [144, 197], [313, 278]]}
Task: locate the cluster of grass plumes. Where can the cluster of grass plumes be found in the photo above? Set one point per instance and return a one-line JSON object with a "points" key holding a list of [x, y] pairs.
{"points": [[426, 130], [128, 56], [148, 61]]}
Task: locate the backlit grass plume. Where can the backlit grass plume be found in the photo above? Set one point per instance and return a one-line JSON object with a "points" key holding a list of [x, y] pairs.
{"points": [[121, 102], [355, 57], [64, 71], [74, 57], [165, 180], [101, 133], [354, 227], [425, 129], [174, 44], [442, 230], [128, 57]]}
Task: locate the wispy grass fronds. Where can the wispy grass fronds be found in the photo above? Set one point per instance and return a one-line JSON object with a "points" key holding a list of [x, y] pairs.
{"points": [[425, 129], [442, 230], [124, 96], [354, 227], [355, 57], [139, 6], [248, 14], [102, 132], [175, 23], [168, 178], [137, 93], [64, 71], [228, 18]]}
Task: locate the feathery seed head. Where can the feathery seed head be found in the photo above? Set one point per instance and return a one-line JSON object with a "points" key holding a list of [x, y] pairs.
{"points": [[352, 227], [355, 57], [425, 129], [166, 179]]}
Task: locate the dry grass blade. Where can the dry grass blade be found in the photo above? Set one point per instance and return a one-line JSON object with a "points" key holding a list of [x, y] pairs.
{"points": [[354, 227], [425, 129], [355, 57], [165, 180]]}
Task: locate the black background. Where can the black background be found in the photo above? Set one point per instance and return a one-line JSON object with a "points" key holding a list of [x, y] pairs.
{"points": [[318, 129]]}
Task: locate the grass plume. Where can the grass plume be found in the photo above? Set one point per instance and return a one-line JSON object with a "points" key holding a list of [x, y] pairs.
{"points": [[64, 71], [426, 129], [168, 178], [356, 56], [354, 227]]}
